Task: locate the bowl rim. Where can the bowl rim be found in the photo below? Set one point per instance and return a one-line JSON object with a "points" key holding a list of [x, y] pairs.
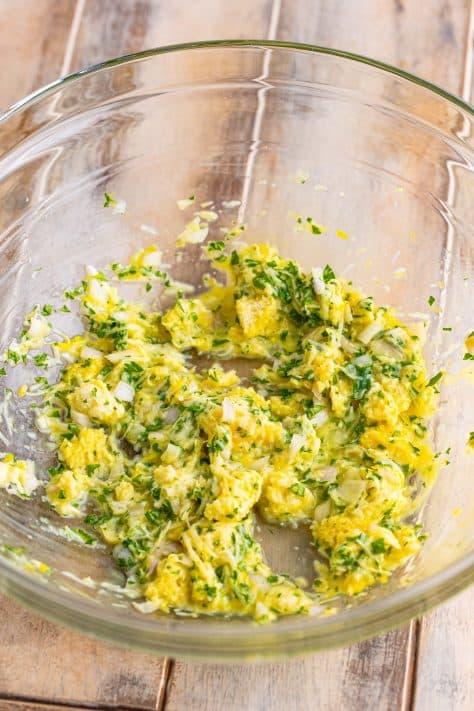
{"points": [[237, 641], [255, 43]]}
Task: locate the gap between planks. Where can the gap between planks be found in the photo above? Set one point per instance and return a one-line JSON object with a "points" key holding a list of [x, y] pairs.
{"points": [[163, 691], [26, 703], [413, 638], [411, 669]]}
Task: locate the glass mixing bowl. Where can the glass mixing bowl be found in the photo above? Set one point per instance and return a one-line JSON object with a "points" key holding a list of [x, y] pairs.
{"points": [[266, 130]]}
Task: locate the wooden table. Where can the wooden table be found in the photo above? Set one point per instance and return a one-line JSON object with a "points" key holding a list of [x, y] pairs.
{"points": [[427, 665]]}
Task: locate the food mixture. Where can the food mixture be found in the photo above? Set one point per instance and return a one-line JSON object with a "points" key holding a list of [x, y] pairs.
{"points": [[169, 463]]}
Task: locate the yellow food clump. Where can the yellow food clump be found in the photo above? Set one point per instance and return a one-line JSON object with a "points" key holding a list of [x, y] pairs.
{"points": [[257, 316], [18, 475], [95, 400], [87, 448], [221, 570], [168, 462]]}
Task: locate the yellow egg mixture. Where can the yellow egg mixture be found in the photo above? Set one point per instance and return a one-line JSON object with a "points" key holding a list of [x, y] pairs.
{"points": [[169, 463]]}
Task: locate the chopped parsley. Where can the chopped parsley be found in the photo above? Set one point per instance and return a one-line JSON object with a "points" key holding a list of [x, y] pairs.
{"points": [[109, 200]]}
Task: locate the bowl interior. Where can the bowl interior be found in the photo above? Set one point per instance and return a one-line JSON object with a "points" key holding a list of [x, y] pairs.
{"points": [[267, 133]]}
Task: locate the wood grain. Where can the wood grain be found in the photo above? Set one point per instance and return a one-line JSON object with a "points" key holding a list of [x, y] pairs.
{"points": [[342, 680], [378, 673], [427, 38], [42, 661], [445, 668], [444, 678], [16, 705], [110, 28], [39, 660], [33, 52]]}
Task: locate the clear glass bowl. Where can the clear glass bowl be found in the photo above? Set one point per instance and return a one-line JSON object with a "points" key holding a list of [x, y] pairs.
{"points": [[361, 147]]}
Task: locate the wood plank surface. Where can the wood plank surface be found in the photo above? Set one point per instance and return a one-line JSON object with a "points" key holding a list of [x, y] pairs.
{"points": [[41, 663], [110, 28], [445, 666], [427, 38], [362, 675], [15, 705], [39, 660], [379, 673], [32, 53], [48, 663], [444, 679]]}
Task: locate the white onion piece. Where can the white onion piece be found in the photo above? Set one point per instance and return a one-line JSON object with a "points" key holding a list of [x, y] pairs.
{"points": [[38, 328], [98, 290], [152, 259], [322, 511], [29, 482], [118, 507], [347, 345], [297, 441], [259, 464], [121, 551], [320, 418], [185, 202], [80, 419], [118, 356], [193, 233], [351, 490], [145, 607], [91, 271], [120, 207], [318, 281], [171, 415], [208, 215], [228, 412], [148, 228], [384, 349], [88, 352], [229, 204], [42, 424], [157, 436], [328, 474], [369, 332], [124, 391], [362, 360]]}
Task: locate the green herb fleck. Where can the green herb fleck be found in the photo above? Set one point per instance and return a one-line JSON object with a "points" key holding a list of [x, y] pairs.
{"points": [[378, 546], [328, 274], [109, 200], [436, 378]]}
